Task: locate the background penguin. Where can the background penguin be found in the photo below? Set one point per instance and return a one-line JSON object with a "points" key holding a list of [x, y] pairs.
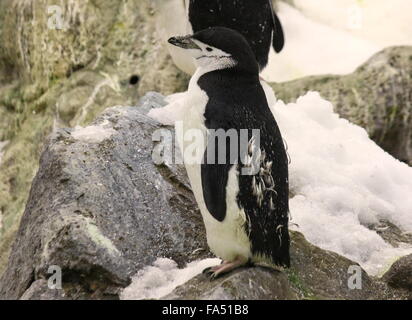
{"points": [[254, 19], [246, 216]]}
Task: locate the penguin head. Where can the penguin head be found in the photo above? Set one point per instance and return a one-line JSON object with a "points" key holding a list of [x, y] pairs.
{"points": [[219, 48]]}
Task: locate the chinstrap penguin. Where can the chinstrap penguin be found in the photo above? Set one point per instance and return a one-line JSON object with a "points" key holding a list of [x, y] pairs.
{"points": [[246, 215], [254, 19]]}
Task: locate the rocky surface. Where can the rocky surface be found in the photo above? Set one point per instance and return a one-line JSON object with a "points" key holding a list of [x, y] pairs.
{"points": [[105, 53], [400, 274], [377, 96], [315, 274], [392, 234], [242, 284], [100, 209]]}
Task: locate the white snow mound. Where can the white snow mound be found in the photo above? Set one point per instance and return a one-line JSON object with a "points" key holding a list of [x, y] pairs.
{"points": [[343, 182], [94, 133], [154, 282], [336, 37]]}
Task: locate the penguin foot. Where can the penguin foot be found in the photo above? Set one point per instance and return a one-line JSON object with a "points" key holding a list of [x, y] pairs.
{"points": [[224, 267]]}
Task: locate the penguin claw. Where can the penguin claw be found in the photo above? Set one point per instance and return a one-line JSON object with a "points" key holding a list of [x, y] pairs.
{"points": [[225, 267], [213, 276], [211, 273], [207, 270]]}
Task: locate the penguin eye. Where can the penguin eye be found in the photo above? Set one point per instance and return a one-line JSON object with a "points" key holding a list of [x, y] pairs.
{"points": [[209, 49]]}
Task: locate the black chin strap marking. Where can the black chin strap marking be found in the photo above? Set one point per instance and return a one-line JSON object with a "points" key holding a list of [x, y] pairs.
{"points": [[219, 57]]}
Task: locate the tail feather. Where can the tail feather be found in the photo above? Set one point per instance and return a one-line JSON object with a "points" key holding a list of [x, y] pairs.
{"points": [[278, 35]]}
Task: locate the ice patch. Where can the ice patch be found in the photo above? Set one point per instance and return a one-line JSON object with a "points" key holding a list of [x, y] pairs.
{"points": [[94, 133], [343, 182], [155, 282]]}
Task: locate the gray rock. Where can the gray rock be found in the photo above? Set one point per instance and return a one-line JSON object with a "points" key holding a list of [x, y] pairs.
{"points": [[39, 290], [322, 274], [391, 233], [377, 97], [151, 100], [100, 209], [243, 284], [314, 274], [400, 274]]}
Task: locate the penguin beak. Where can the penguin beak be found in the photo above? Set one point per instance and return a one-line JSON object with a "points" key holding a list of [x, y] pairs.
{"points": [[184, 42]]}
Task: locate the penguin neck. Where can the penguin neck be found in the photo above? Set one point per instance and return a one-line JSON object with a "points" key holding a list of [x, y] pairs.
{"points": [[232, 75]]}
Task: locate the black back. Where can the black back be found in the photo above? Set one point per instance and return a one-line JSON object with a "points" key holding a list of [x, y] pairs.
{"points": [[237, 101], [254, 19]]}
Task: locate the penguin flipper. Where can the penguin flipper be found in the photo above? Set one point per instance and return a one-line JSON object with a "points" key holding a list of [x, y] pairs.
{"points": [[278, 35], [214, 182]]}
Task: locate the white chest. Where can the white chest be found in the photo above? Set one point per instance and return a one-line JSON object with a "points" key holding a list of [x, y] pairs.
{"points": [[227, 239]]}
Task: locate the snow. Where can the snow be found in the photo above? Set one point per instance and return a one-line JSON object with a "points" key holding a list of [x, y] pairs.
{"points": [[342, 183], [93, 133], [335, 37], [160, 279], [169, 114], [313, 48], [383, 22], [172, 21]]}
